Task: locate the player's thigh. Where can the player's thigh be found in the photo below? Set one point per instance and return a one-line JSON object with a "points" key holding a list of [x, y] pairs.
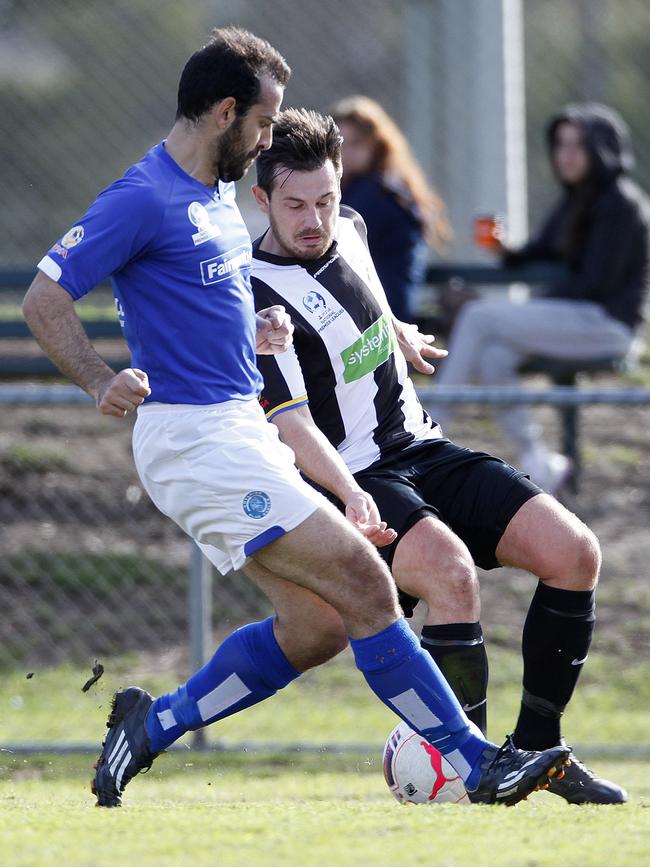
{"points": [[476, 495], [326, 555], [548, 540]]}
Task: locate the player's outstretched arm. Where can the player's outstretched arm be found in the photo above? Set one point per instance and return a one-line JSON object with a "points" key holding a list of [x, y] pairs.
{"points": [[49, 311], [319, 460], [416, 347]]}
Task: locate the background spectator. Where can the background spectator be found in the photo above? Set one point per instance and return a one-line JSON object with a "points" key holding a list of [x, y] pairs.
{"points": [[599, 231], [384, 183]]}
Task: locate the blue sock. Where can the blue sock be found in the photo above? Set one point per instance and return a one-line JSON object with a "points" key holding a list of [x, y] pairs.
{"points": [[406, 679], [247, 668]]}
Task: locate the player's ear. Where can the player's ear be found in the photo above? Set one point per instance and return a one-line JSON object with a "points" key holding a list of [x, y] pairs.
{"points": [[224, 113], [261, 198]]}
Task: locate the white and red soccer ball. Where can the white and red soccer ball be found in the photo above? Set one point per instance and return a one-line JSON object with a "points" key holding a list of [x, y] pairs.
{"points": [[416, 773]]}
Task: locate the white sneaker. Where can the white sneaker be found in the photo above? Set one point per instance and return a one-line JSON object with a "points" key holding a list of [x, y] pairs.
{"points": [[549, 470]]}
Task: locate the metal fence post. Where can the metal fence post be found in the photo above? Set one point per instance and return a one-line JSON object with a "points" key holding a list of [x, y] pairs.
{"points": [[199, 618]]}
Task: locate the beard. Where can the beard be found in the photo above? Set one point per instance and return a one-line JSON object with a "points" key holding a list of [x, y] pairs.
{"points": [[294, 249], [230, 161]]}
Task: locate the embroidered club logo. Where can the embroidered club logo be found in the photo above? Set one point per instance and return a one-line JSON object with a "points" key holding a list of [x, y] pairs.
{"points": [[198, 216], [73, 237], [256, 504], [314, 302]]}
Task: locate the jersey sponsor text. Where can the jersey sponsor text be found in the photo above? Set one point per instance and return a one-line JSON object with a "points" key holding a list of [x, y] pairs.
{"points": [[374, 347], [220, 267]]}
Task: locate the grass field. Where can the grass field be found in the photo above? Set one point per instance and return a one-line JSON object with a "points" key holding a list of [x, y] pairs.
{"points": [[328, 705], [314, 812], [306, 808]]}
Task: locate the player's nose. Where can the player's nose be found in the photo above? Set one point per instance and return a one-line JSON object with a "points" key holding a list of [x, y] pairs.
{"points": [[266, 139], [314, 218]]}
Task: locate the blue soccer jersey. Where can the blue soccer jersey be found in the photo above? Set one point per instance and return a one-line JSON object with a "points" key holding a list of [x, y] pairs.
{"points": [[179, 255]]}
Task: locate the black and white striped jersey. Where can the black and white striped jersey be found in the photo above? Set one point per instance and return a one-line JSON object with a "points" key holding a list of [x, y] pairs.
{"points": [[345, 360]]}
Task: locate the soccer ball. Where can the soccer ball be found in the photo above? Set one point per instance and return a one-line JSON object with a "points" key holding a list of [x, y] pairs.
{"points": [[417, 773]]}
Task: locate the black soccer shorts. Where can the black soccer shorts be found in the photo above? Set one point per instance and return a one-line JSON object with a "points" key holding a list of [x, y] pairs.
{"points": [[474, 493]]}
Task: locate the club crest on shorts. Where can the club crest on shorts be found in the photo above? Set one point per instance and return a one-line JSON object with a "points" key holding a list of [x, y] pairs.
{"points": [[256, 504]]}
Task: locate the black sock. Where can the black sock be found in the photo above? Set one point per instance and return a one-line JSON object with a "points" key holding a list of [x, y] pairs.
{"points": [[459, 652], [555, 644]]}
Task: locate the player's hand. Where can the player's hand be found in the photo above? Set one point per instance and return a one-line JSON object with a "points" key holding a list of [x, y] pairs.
{"points": [[123, 393], [274, 330], [416, 346], [362, 513]]}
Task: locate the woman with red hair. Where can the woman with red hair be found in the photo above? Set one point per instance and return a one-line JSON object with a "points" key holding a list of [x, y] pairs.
{"points": [[383, 181]]}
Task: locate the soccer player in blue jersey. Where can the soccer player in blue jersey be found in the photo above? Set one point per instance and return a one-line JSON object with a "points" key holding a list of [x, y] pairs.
{"points": [[171, 237]]}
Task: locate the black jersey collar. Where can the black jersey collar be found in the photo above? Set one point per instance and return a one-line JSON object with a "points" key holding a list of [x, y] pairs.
{"points": [[308, 264]]}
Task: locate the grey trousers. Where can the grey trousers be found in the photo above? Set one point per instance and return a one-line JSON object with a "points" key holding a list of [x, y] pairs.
{"points": [[491, 339]]}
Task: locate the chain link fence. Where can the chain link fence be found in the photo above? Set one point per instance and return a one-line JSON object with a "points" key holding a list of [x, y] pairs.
{"points": [[88, 566], [87, 86], [585, 50]]}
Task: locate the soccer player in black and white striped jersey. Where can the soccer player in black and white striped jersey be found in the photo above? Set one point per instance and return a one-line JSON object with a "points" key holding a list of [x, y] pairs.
{"points": [[342, 399]]}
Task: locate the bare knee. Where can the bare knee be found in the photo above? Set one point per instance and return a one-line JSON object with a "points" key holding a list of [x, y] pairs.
{"points": [[370, 586], [553, 544], [576, 561], [433, 564], [587, 560]]}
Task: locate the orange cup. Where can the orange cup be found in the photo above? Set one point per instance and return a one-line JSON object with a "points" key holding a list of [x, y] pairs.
{"points": [[488, 232]]}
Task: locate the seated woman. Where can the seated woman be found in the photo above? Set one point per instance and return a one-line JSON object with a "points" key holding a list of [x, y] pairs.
{"points": [[384, 183], [599, 230]]}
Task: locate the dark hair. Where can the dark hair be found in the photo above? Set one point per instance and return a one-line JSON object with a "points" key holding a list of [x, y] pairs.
{"points": [[605, 138], [303, 141], [231, 64]]}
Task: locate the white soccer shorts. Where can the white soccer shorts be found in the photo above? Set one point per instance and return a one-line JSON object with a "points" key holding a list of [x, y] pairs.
{"points": [[221, 472]]}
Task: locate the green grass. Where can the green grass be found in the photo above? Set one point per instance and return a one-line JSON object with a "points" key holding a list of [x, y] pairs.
{"points": [[265, 814], [328, 705], [10, 312], [21, 458], [319, 808]]}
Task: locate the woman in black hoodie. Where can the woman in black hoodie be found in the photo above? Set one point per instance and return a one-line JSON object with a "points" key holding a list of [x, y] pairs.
{"points": [[599, 232]]}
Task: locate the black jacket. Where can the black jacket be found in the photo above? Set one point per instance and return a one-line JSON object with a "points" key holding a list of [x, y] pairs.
{"points": [[395, 238], [606, 251]]}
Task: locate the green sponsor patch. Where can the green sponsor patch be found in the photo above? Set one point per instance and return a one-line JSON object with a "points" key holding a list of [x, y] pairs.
{"points": [[375, 346]]}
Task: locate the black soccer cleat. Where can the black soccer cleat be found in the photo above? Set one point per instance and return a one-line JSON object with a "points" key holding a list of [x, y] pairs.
{"points": [[579, 785], [125, 752], [509, 775]]}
